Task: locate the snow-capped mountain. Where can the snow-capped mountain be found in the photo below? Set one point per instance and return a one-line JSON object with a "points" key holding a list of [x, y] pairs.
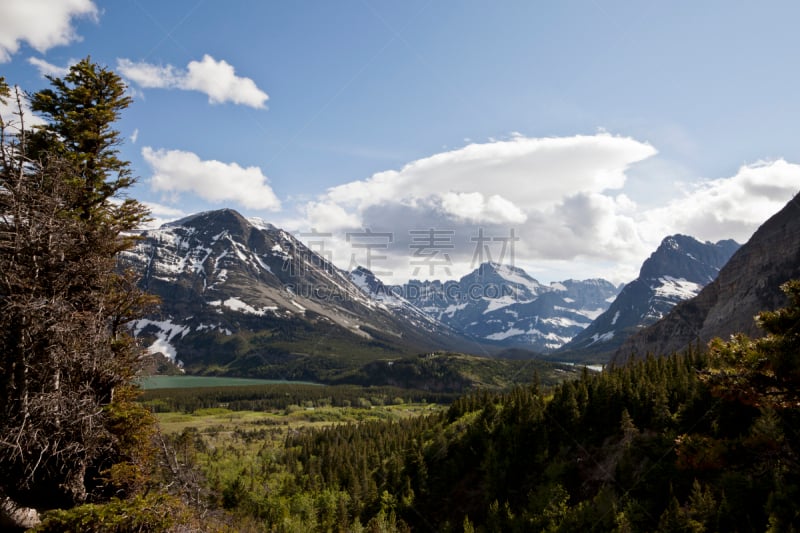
{"points": [[748, 284], [503, 305], [240, 295], [676, 271]]}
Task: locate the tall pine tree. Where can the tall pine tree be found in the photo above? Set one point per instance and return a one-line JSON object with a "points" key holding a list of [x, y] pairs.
{"points": [[69, 430]]}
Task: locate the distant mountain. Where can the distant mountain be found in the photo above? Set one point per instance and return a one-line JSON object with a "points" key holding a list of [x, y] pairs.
{"points": [[390, 299], [504, 306], [746, 285], [676, 271], [246, 298]]}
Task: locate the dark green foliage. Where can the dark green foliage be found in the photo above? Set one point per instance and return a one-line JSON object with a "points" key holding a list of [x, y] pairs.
{"points": [[279, 396], [81, 109]]}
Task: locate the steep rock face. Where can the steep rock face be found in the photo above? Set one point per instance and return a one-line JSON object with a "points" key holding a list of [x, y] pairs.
{"points": [[746, 285], [679, 268], [237, 296], [504, 306]]}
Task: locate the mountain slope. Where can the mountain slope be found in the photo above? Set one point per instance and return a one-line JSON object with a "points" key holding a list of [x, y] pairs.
{"points": [[244, 299], [679, 268], [748, 284], [504, 306]]}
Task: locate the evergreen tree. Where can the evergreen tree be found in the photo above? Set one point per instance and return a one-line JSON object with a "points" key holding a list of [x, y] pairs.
{"points": [[766, 371], [71, 431], [81, 109]]}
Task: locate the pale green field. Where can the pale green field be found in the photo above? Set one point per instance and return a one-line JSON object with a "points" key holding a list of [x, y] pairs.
{"points": [[220, 420]]}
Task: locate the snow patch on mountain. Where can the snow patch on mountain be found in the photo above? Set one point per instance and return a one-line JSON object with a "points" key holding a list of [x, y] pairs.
{"points": [[165, 331], [592, 314], [605, 337], [494, 304], [677, 288], [235, 304]]}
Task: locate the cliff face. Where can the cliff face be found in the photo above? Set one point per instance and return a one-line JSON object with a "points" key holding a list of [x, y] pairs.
{"points": [[749, 283]]}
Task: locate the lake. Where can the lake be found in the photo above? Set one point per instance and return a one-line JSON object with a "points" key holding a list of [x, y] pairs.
{"points": [[185, 382]]}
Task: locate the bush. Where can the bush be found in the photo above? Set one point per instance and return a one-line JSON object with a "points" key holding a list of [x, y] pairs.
{"points": [[153, 513]]}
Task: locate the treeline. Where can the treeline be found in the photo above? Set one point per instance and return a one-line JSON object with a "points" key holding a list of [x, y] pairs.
{"points": [[280, 396]]}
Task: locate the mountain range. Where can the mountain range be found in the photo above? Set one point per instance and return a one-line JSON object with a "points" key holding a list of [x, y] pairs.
{"points": [[243, 297], [502, 305]]}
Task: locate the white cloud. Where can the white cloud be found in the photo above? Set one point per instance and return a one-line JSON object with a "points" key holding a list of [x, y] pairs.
{"points": [[177, 171], [535, 172], [473, 207], [564, 198], [729, 207], [554, 193], [9, 111], [329, 216], [135, 136], [43, 24], [216, 79], [150, 76], [48, 69]]}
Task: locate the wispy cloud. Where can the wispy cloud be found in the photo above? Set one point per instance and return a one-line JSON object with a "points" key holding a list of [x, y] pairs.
{"points": [[48, 69], [177, 171], [216, 79], [43, 24]]}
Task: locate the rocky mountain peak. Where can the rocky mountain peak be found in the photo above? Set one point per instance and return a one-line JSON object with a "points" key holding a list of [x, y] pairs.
{"points": [[215, 221], [684, 257], [676, 271], [503, 305]]}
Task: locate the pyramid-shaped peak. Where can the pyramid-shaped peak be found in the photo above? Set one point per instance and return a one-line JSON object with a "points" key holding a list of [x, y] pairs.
{"points": [[506, 272], [220, 217]]}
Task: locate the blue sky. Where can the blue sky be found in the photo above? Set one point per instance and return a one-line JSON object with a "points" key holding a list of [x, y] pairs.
{"points": [[591, 129]]}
